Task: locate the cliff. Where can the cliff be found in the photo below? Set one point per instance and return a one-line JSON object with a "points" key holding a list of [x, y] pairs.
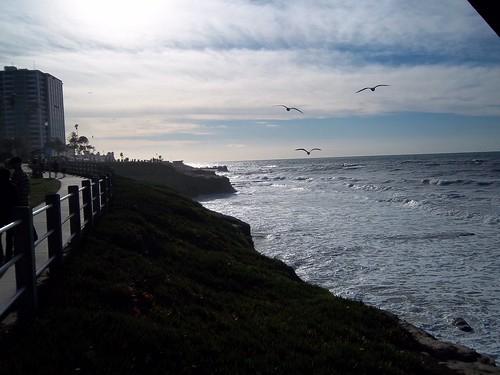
{"points": [[186, 180], [165, 286]]}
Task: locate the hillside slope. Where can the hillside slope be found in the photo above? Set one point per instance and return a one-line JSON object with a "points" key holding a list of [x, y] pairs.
{"points": [[164, 286]]}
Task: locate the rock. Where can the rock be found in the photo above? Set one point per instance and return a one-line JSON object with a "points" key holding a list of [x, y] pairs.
{"points": [[454, 356], [462, 325]]}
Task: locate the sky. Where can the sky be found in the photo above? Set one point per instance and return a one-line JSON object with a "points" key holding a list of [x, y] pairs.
{"points": [[199, 80]]}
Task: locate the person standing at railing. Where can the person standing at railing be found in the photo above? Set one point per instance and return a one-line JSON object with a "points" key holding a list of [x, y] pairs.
{"points": [[55, 167], [21, 180], [8, 198], [22, 183]]}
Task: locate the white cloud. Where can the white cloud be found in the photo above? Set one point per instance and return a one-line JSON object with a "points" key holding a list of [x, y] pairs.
{"points": [[168, 67]]}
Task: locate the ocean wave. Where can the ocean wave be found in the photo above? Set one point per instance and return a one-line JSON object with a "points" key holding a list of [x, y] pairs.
{"points": [[404, 201], [425, 236], [455, 196], [412, 162], [440, 182], [485, 183], [348, 166], [368, 187], [491, 219], [411, 203]]}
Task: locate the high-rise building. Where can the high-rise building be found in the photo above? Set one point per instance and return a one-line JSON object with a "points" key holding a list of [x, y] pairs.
{"points": [[31, 108]]}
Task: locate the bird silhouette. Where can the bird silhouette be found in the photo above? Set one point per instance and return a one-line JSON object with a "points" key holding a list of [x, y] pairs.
{"points": [[288, 108], [307, 152], [371, 88]]}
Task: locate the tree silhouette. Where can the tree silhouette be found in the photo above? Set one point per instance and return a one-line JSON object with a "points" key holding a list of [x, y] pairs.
{"points": [[79, 144], [56, 145]]}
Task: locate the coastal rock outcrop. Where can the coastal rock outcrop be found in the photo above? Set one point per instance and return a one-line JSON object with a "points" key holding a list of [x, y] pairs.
{"points": [[462, 325], [182, 178], [456, 357]]}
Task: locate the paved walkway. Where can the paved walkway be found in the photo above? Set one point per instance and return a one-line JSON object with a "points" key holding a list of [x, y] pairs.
{"points": [[8, 281]]}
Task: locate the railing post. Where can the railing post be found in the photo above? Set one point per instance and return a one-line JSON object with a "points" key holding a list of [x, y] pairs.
{"points": [[75, 224], [96, 196], [87, 203], [25, 267], [104, 189], [54, 225], [110, 187]]}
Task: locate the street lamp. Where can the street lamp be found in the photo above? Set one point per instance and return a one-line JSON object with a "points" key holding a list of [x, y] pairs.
{"points": [[47, 139]]}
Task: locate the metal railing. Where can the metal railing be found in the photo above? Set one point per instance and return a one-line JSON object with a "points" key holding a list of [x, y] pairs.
{"points": [[95, 196]]}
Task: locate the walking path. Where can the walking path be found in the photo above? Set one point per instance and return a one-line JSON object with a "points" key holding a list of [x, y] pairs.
{"points": [[8, 280]]}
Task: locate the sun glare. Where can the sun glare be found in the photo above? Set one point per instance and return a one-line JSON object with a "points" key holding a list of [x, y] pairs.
{"points": [[117, 20]]}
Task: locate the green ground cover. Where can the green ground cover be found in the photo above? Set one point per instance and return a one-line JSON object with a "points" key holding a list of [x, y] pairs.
{"points": [[40, 187], [164, 286]]}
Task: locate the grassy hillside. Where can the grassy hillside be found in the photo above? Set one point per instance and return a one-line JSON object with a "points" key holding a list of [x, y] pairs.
{"points": [[189, 181], [164, 286]]}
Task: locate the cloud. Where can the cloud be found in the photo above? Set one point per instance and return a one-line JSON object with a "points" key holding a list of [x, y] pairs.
{"points": [[247, 84], [174, 69], [427, 27]]}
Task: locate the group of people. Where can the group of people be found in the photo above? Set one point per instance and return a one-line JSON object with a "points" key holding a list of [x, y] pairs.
{"points": [[14, 191], [55, 165]]}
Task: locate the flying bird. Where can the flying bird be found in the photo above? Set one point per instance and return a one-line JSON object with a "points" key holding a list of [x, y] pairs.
{"points": [[288, 108], [371, 88], [307, 152]]}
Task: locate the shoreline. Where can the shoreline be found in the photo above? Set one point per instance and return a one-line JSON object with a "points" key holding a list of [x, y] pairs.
{"points": [[163, 284], [382, 262], [455, 356]]}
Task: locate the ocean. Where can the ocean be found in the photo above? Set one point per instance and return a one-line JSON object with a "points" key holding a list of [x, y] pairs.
{"points": [[417, 235]]}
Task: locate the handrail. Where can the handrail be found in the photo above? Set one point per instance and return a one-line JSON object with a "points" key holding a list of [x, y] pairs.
{"points": [[40, 240], [11, 301], [68, 218], [95, 193], [10, 226], [45, 265], [41, 209], [11, 261], [65, 197]]}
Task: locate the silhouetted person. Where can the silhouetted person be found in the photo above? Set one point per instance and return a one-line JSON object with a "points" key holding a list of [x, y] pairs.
{"points": [[8, 199], [22, 183], [55, 167], [63, 168], [21, 180]]}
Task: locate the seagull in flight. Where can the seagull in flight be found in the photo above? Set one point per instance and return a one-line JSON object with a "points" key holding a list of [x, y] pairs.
{"points": [[307, 152], [288, 108], [371, 88]]}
